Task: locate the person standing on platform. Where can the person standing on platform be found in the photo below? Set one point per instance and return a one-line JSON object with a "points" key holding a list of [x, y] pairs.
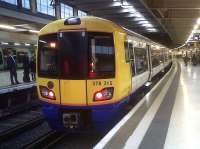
{"points": [[12, 68], [186, 59], [33, 68], [26, 77]]}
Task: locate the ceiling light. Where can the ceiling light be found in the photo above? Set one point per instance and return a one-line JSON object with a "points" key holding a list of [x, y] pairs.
{"points": [[126, 6], [198, 21], [147, 25], [33, 31], [143, 22], [196, 27], [17, 44], [27, 44], [116, 4], [4, 43], [125, 3], [137, 15], [139, 19], [3, 26], [132, 10], [152, 30]]}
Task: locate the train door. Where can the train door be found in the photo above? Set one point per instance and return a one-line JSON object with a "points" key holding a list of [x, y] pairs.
{"points": [[149, 61], [129, 51], [73, 64]]}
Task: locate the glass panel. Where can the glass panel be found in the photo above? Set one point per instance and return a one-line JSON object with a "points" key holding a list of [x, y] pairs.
{"points": [[26, 4], [73, 55], [48, 56], [44, 6], [14, 2], [66, 11], [101, 55], [141, 60], [156, 57], [81, 13]]}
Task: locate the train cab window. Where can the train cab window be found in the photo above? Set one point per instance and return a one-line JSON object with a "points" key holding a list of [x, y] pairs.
{"points": [[48, 56], [141, 60], [101, 55]]}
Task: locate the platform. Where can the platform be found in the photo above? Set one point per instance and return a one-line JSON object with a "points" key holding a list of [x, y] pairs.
{"points": [[5, 84], [167, 117], [5, 78]]}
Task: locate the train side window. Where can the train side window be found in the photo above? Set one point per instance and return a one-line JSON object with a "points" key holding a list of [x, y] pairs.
{"points": [[156, 58], [126, 48], [1, 58], [129, 55], [101, 55], [48, 56], [141, 60]]}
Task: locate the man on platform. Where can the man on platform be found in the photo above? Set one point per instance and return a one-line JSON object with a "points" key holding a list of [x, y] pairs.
{"points": [[12, 68]]}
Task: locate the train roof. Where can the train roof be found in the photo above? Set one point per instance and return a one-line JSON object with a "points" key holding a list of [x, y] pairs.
{"points": [[90, 23]]}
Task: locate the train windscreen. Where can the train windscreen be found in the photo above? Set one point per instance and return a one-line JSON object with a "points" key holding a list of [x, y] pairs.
{"points": [[76, 55], [48, 56]]}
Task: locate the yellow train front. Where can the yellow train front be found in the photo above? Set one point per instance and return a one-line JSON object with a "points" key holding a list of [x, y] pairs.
{"points": [[87, 69], [78, 77]]}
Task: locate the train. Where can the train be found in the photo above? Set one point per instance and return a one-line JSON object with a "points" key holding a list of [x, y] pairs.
{"points": [[18, 54], [88, 68]]}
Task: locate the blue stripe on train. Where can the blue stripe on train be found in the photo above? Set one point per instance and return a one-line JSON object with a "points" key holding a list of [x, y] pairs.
{"points": [[102, 117]]}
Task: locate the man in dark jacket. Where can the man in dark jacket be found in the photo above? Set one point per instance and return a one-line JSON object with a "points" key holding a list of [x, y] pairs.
{"points": [[26, 67], [12, 68], [33, 68]]}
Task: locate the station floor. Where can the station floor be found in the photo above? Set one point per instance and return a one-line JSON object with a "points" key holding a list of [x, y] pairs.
{"points": [[5, 78], [170, 120]]}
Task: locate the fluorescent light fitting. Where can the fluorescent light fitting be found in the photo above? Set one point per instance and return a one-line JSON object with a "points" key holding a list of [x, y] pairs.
{"points": [[3, 26], [4, 43], [117, 4], [17, 44], [143, 22], [147, 25], [27, 44], [196, 27], [137, 15], [126, 6], [152, 30], [198, 21], [139, 19], [132, 10], [33, 31], [125, 3]]}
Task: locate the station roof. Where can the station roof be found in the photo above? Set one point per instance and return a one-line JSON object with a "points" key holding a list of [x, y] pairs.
{"points": [[172, 19], [140, 19]]}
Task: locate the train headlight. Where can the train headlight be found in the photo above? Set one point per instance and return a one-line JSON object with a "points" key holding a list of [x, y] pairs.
{"points": [[104, 94], [47, 93]]}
